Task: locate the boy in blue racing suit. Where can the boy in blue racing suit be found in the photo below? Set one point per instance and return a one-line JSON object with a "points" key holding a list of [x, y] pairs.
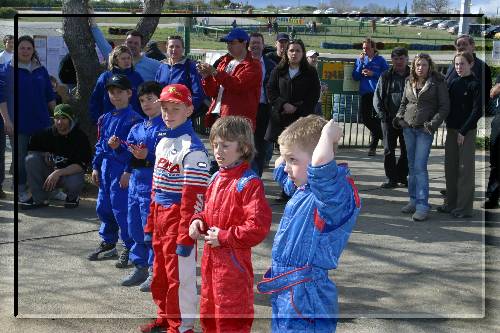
{"points": [[314, 229]]}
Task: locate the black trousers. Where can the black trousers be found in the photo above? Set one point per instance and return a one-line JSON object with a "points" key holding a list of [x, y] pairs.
{"points": [[261, 145], [370, 119], [395, 170], [493, 189]]}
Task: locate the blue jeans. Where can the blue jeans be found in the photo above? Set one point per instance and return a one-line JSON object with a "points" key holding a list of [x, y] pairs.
{"points": [[418, 147]]}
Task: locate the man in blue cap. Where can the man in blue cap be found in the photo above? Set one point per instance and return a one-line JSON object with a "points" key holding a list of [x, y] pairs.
{"points": [[282, 40], [235, 84]]}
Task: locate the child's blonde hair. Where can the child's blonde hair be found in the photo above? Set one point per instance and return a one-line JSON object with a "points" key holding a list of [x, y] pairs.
{"points": [[304, 133], [234, 128]]}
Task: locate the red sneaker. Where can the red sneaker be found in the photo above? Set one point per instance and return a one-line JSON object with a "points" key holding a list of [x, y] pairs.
{"points": [[154, 327]]}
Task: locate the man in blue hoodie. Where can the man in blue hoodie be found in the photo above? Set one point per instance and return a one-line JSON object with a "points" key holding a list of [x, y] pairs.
{"points": [[367, 69]]}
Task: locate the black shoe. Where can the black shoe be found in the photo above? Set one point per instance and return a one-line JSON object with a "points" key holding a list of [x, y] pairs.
{"points": [[108, 251], [123, 260], [372, 151], [389, 184], [460, 215], [443, 193], [3, 195], [31, 204], [72, 203], [403, 182], [444, 209], [490, 204]]}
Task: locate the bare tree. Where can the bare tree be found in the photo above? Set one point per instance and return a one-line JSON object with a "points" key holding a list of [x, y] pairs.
{"points": [[438, 6], [341, 5], [420, 6], [78, 38], [81, 46], [147, 24]]}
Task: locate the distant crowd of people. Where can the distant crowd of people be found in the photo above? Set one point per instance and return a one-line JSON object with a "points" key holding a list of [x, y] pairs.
{"points": [[159, 192]]}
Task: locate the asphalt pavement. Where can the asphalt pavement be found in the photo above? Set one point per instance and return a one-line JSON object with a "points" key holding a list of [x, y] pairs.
{"points": [[395, 275]]}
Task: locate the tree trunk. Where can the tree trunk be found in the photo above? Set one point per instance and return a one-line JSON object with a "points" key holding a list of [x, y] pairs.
{"points": [[147, 25], [81, 46]]}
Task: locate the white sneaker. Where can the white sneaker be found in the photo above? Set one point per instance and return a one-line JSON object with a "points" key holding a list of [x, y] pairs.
{"points": [[59, 195], [23, 196]]}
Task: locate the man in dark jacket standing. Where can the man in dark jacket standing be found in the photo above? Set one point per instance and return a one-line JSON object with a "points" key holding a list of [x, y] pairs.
{"points": [[386, 102], [58, 156], [282, 40], [480, 69], [263, 147]]}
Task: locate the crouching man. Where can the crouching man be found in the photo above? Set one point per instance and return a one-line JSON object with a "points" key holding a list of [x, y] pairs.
{"points": [[58, 157]]}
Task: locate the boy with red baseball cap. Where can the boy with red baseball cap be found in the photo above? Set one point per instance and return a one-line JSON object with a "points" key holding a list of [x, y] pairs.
{"points": [[180, 179]]}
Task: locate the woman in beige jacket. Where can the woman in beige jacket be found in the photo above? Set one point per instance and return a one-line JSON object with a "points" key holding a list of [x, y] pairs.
{"points": [[424, 106]]}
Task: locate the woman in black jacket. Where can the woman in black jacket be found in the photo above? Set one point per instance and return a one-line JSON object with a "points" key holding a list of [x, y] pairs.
{"points": [[460, 147], [293, 89]]}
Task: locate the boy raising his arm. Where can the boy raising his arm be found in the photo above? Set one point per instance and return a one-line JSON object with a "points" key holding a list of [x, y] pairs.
{"points": [[314, 229]]}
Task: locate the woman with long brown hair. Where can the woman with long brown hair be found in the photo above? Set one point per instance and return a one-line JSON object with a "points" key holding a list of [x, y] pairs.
{"points": [[424, 106], [35, 102], [293, 89]]}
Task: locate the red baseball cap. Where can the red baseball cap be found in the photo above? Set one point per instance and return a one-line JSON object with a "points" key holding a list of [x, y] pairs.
{"points": [[176, 93]]}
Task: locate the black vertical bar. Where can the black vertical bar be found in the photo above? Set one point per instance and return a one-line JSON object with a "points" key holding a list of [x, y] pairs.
{"points": [[14, 160]]}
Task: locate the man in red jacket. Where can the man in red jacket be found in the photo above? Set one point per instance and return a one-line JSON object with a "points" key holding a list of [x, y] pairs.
{"points": [[235, 85]]}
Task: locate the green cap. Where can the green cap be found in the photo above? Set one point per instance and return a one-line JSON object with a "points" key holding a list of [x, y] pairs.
{"points": [[64, 110]]}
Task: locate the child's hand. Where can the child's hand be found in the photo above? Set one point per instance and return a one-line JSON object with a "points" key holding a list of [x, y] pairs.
{"points": [[324, 151], [114, 142], [197, 229], [212, 238], [333, 131], [139, 151], [124, 179], [95, 177]]}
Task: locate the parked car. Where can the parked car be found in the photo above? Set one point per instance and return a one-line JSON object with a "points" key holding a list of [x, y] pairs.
{"points": [[345, 108], [406, 20], [491, 31], [393, 20], [318, 11], [477, 29], [453, 29], [446, 24], [385, 19], [418, 21], [432, 24], [330, 11]]}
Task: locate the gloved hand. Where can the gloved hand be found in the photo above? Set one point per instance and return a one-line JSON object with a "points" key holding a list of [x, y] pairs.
{"points": [[148, 239], [428, 127]]}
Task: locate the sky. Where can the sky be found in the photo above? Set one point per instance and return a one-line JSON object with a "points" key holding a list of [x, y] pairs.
{"points": [[488, 6]]}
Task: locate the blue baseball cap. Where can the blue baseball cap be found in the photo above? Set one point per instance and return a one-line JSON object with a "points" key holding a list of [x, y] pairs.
{"points": [[236, 34]]}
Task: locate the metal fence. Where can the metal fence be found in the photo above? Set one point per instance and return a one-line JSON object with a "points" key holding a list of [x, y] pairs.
{"points": [[344, 109]]}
